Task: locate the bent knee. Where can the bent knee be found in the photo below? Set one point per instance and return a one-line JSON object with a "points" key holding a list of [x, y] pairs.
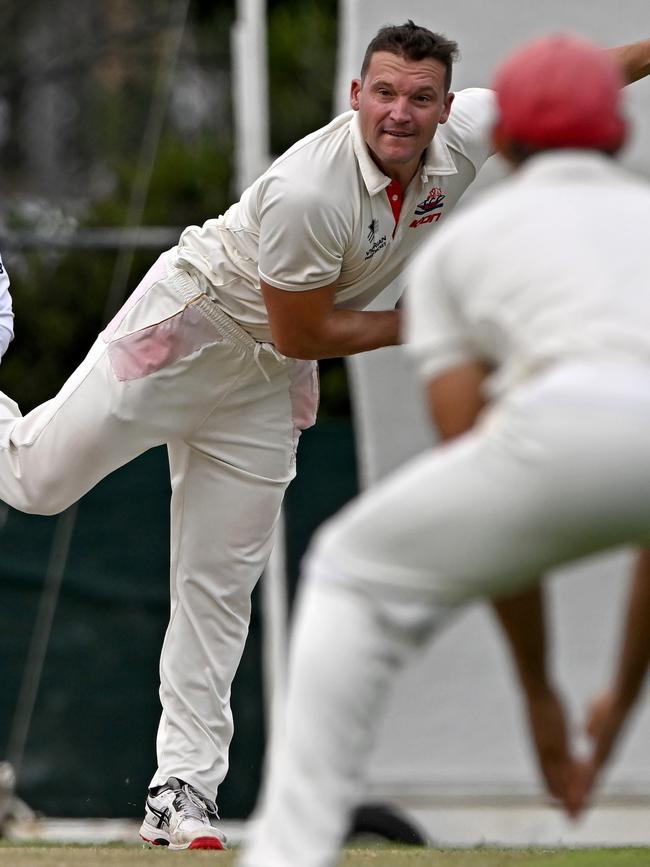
{"points": [[327, 552], [44, 509], [44, 499]]}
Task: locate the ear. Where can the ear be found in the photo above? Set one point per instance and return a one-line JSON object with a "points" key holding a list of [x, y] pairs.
{"points": [[355, 87], [444, 117]]}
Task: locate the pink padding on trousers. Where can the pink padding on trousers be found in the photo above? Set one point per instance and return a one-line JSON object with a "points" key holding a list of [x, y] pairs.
{"points": [[304, 394], [157, 271], [153, 348]]}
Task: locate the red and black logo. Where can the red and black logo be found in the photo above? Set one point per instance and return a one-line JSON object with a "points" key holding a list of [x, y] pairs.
{"points": [[429, 211], [433, 201]]}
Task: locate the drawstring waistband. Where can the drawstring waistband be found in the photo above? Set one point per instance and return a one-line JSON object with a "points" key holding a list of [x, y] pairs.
{"points": [[256, 359], [221, 320], [271, 350]]}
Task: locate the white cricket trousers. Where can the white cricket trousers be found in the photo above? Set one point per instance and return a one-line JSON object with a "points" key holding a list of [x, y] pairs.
{"points": [[555, 471], [173, 368]]}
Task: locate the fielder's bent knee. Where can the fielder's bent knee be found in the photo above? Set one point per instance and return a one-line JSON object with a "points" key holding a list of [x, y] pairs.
{"points": [[43, 508], [323, 560], [48, 498]]}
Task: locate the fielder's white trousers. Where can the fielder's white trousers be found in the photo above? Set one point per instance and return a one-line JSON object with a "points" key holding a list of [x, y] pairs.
{"points": [[558, 470], [173, 368]]}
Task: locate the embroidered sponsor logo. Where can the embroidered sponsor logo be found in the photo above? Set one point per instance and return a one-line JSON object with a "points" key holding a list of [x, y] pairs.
{"points": [[433, 201], [372, 230], [430, 210], [430, 218], [376, 247]]}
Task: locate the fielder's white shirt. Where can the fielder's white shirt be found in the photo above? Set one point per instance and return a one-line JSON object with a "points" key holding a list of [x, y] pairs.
{"points": [[6, 312], [553, 265], [324, 211]]}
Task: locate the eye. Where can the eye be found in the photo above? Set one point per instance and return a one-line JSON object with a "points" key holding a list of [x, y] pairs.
{"points": [[423, 98]]}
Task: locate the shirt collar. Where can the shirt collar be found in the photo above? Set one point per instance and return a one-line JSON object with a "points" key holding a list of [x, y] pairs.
{"points": [[437, 160], [566, 162]]}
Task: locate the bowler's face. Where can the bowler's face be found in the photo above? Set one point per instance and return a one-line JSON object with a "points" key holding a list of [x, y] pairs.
{"points": [[400, 104]]}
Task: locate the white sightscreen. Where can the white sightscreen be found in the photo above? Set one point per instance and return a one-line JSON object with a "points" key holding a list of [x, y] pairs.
{"points": [[453, 724]]}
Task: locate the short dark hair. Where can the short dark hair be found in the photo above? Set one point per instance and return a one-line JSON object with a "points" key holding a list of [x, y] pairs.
{"points": [[413, 43]]}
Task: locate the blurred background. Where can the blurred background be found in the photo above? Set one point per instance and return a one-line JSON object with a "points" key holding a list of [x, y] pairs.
{"points": [[102, 97], [118, 127]]}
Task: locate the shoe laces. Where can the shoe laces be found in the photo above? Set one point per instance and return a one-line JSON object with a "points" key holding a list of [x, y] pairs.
{"points": [[192, 804]]}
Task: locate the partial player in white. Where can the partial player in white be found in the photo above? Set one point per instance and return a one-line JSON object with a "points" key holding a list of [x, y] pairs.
{"points": [[6, 311]]}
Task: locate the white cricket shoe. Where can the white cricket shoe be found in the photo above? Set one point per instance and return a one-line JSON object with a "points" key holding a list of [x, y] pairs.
{"points": [[180, 817]]}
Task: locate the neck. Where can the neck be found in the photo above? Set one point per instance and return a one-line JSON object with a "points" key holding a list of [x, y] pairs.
{"points": [[402, 174], [404, 178]]}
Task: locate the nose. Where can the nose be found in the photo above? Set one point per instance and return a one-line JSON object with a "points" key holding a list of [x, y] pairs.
{"points": [[400, 110]]}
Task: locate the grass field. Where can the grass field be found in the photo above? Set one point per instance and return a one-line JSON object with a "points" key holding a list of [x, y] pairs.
{"points": [[372, 856]]}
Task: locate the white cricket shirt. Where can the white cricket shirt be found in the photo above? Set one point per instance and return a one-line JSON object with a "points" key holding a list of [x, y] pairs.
{"points": [[554, 264], [324, 211], [6, 312]]}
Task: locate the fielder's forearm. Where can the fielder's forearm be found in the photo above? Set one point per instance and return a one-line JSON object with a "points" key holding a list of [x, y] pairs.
{"points": [[635, 645], [523, 621], [634, 60]]}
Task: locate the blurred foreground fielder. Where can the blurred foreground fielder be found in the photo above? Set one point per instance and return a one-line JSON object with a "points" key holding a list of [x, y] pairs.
{"points": [[529, 315]]}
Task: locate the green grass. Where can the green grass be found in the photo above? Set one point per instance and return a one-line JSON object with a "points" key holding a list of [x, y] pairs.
{"points": [[12, 855]]}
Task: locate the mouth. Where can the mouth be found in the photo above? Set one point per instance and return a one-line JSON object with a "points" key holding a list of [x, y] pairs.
{"points": [[396, 133]]}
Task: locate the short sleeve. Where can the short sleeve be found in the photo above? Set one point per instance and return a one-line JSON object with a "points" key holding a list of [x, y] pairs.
{"points": [[302, 235], [6, 312], [469, 128], [436, 336]]}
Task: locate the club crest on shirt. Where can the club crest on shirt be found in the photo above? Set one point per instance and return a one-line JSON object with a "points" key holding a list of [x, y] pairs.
{"points": [[429, 210], [433, 201]]}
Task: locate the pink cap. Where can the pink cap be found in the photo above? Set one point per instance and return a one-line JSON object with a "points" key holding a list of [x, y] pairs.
{"points": [[560, 92]]}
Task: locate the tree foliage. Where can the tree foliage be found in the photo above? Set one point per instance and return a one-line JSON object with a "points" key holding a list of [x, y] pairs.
{"points": [[77, 83]]}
